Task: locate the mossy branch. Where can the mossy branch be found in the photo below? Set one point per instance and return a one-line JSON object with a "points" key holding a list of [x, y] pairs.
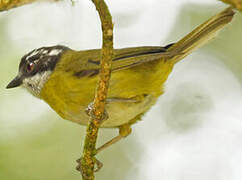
{"points": [[235, 3], [9, 4], [88, 158]]}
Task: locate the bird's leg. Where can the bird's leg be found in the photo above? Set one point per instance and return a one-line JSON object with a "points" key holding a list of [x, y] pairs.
{"points": [[124, 131]]}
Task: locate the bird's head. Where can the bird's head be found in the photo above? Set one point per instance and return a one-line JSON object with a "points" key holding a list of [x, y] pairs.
{"points": [[36, 67]]}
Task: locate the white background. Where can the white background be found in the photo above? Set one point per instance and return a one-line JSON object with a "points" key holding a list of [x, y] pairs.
{"points": [[193, 132]]}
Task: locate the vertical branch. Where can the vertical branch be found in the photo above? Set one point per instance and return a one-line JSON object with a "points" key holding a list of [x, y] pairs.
{"points": [[88, 160]]}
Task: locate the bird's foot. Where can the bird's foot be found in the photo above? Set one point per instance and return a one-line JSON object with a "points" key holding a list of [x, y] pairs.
{"points": [[79, 167], [89, 112]]}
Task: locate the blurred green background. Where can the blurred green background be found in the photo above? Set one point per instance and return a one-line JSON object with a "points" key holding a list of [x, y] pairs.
{"points": [[35, 143]]}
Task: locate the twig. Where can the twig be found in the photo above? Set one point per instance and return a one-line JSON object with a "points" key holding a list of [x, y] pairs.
{"points": [[88, 158], [9, 4], [235, 3]]}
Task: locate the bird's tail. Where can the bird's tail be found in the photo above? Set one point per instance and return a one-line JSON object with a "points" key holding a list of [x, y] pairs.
{"points": [[200, 35]]}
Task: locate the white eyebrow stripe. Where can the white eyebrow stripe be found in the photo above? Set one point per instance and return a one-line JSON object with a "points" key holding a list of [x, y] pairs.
{"points": [[45, 52], [32, 54], [55, 52]]}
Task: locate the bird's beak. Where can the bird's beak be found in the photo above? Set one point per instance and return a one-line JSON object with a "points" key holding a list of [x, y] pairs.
{"points": [[17, 81]]}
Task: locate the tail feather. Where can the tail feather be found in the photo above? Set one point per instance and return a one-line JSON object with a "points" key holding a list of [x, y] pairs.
{"points": [[201, 34]]}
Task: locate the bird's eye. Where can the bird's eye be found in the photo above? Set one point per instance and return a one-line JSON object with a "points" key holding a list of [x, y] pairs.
{"points": [[30, 67]]}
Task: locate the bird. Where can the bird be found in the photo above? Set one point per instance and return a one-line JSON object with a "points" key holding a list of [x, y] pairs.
{"points": [[66, 79]]}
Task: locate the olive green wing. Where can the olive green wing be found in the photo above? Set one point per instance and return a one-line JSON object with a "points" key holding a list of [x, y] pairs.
{"points": [[129, 57], [87, 62]]}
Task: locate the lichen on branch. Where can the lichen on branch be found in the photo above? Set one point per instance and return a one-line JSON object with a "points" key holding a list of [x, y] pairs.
{"points": [[88, 159], [9, 4]]}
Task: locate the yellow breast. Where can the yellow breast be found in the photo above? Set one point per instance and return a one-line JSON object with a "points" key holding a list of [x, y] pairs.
{"points": [[69, 95]]}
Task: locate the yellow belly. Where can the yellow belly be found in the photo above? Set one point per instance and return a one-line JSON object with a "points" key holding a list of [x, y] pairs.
{"points": [[69, 95]]}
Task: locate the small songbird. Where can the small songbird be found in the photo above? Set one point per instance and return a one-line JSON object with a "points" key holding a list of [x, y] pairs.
{"points": [[66, 79]]}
